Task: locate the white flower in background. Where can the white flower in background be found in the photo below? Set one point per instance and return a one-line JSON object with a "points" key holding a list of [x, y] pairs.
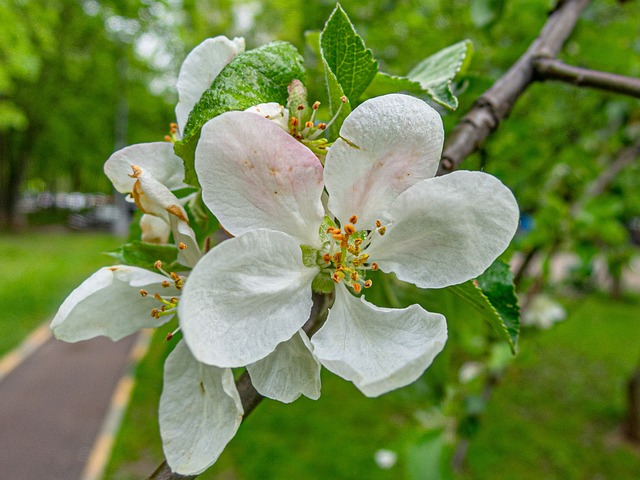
{"points": [[150, 171], [542, 312], [385, 459], [253, 292], [200, 408]]}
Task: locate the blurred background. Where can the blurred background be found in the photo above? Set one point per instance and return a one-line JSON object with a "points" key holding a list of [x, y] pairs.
{"points": [[82, 78]]}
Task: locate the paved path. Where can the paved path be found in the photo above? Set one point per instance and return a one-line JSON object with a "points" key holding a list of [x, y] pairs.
{"points": [[53, 405]]}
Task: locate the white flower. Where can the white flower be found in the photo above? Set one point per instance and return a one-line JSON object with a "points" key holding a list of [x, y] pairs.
{"points": [[543, 311], [253, 292], [200, 408], [150, 171]]}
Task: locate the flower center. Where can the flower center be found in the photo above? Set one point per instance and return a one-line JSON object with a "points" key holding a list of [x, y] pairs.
{"points": [[344, 256]]}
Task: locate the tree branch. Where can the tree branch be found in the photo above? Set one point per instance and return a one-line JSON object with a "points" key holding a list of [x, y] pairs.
{"points": [[554, 69], [248, 394], [496, 103]]}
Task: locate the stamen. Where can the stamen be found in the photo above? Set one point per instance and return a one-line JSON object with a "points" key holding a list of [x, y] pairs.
{"points": [[353, 219], [382, 230], [368, 284], [378, 223], [158, 265], [167, 138], [336, 277], [144, 293], [356, 287], [182, 246], [170, 335], [326, 258], [166, 284], [349, 229], [155, 313], [374, 266], [137, 171]]}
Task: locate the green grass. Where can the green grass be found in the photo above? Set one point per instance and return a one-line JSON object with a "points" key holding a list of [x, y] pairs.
{"points": [[554, 415], [557, 413], [40, 270]]}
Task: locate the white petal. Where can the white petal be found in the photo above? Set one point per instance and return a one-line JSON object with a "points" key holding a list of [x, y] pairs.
{"points": [[154, 229], [255, 175], [447, 230], [156, 158], [289, 371], [157, 199], [387, 144], [200, 412], [183, 233], [199, 70], [272, 111], [378, 349], [244, 297], [109, 303]]}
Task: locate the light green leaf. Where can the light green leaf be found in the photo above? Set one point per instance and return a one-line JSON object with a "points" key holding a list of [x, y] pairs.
{"points": [[493, 296], [429, 458], [435, 73], [144, 255], [484, 13], [346, 55], [257, 76]]}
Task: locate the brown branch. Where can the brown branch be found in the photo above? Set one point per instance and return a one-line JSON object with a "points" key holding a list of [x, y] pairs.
{"points": [[496, 103], [248, 394], [553, 69]]}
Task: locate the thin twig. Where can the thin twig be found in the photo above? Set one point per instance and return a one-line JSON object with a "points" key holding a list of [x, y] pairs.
{"points": [[496, 103], [248, 394], [554, 69]]}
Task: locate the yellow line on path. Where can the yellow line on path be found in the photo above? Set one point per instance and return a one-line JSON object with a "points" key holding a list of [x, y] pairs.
{"points": [[15, 357], [101, 450]]}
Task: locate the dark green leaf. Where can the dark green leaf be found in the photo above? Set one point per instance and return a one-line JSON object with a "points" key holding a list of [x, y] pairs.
{"points": [[257, 76], [497, 304], [346, 55], [144, 255]]}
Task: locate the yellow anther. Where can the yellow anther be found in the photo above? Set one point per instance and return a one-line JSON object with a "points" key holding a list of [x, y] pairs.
{"points": [[353, 219], [158, 264], [175, 277], [374, 266], [137, 171], [358, 242], [364, 257], [166, 284], [349, 229], [182, 246], [163, 308], [158, 297], [309, 124], [300, 107], [378, 223], [155, 313], [113, 269], [326, 258], [173, 125], [336, 277], [368, 284], [293, 122], [336, 257], [316, 105], [322, 126], [174, 300], [356, 287], [167, 138], [382, 230], [343, 99], [354, 276], [337, 236], [144, 293], [169, 337]]}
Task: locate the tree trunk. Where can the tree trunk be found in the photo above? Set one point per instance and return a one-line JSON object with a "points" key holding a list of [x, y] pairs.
{"points": [[632, 422], [12, 168]]}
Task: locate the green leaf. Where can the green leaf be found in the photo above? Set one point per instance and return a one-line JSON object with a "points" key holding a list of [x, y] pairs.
{"points": [[435, 73], [432, 76], [493, 296], [257, 76], [346, 55], [144, 255]]}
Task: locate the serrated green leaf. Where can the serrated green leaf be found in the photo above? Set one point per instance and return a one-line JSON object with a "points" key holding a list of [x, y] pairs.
{"points": [[334, 90], [346, 55], [435, 73], [383, 83], [497, 304], [257, 76], [144, 255]]}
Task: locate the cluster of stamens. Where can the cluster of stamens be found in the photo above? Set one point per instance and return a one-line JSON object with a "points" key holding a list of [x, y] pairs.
{"points": [[173, 133], [347, 257], [309, 131], [169, 305]]}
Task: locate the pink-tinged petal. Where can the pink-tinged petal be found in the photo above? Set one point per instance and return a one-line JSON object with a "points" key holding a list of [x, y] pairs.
{"points": [[156, 158], [272, 111], [109, 303], [378, 349], [386, 145], [255, 175], [200, 412], [244, 297], [289, 371], [447, 230], [199, 70]]}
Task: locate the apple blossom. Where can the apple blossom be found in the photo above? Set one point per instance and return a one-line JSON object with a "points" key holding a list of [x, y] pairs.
{"points": [[253, 292]]}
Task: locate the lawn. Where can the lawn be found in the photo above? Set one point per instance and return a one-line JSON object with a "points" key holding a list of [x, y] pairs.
{"points": [[554, 416], [41, 269]]}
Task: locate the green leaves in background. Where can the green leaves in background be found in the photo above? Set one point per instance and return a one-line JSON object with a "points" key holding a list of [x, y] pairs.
{"points": [[432, 76], [257, 76], [429, 458], [144, 255], [485, 13], [493, 295]]}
